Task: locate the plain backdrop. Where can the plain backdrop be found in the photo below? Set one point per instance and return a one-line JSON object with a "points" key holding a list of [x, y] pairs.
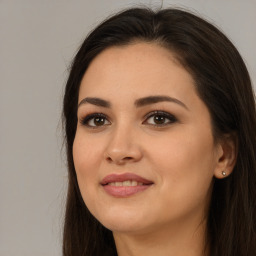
{"points": [[37, 42]]}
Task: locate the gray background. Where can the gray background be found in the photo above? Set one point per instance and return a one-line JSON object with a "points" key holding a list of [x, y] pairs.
{"points": [[37, 42]]}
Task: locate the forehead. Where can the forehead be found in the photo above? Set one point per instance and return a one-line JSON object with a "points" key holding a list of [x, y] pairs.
{"points": [[139, 68]]}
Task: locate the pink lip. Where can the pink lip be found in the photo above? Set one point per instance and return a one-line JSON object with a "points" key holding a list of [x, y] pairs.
{"points": [[124, 177], [124, 191]]}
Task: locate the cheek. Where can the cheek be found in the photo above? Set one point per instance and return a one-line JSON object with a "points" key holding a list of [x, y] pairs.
{"points": [[181, 153], [185, 166], [86, 161]]}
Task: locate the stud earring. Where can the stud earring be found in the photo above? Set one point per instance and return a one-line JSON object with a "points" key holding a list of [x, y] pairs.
{"points": [[224, 173]]}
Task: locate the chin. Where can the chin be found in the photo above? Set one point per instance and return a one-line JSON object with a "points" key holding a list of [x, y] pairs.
{"points": [[125, 222], [127, 228]]}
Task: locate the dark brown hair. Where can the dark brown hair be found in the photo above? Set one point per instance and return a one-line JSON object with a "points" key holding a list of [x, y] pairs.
{"points": [[222, 82]]}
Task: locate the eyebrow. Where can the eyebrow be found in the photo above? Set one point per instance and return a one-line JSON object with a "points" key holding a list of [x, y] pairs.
{"points": [[138, 103]]}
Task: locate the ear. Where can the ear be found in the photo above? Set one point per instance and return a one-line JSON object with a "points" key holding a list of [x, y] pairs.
{"points": [[226, 156]]}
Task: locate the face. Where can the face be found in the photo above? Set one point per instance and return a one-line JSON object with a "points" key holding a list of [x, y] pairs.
{"points": [[143, 152]]}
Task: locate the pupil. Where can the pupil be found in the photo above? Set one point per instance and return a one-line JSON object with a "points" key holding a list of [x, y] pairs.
{"points": [[99, 121], [159, 119]]}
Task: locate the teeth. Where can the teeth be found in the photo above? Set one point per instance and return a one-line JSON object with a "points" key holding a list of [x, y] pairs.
{"points": [[134, 183], [127, 183]]}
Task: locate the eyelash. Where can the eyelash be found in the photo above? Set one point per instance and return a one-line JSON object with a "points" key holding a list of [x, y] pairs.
{"points": [[172, 119]]}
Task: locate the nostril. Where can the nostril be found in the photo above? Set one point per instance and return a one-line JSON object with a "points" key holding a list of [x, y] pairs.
{"points": [[120, 160], [109, 159], [127, 158]]}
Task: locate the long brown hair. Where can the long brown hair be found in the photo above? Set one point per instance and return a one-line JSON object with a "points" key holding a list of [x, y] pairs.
{"points": [[222, 82]]}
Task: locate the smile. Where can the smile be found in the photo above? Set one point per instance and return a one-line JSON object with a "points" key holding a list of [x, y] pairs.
{"points": [[125, 185]]}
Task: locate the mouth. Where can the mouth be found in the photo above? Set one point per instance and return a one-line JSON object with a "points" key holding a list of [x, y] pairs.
{"points": [[125, 185]]}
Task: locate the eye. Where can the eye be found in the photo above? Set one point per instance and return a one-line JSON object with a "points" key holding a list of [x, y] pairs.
{"points": [[95, 120], [160, 118]]}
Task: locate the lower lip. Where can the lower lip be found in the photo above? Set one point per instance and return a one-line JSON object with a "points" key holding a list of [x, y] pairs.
{"points": [[123, 191]]}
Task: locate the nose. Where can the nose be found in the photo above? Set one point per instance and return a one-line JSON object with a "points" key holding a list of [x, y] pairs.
{"points": [[123, 146]]}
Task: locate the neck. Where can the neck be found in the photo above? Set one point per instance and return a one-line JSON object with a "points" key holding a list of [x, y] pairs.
{"points": [[180, 239]]}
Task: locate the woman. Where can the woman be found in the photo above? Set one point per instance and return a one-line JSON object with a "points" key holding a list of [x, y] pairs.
{"points": [[160, 127]]}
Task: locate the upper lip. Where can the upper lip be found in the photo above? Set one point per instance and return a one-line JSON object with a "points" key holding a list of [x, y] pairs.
{"points": [[123, 177]]}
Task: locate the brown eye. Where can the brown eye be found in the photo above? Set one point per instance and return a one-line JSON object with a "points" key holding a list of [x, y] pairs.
{"points": [[98, 121], [160, 118], [95, 120]]}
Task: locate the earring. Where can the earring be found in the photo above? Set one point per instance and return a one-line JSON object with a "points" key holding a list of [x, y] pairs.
{"points": [[224, 173]]}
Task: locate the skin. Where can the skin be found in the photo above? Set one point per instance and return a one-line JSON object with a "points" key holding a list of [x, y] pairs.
{"points": [[180, 157]]}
